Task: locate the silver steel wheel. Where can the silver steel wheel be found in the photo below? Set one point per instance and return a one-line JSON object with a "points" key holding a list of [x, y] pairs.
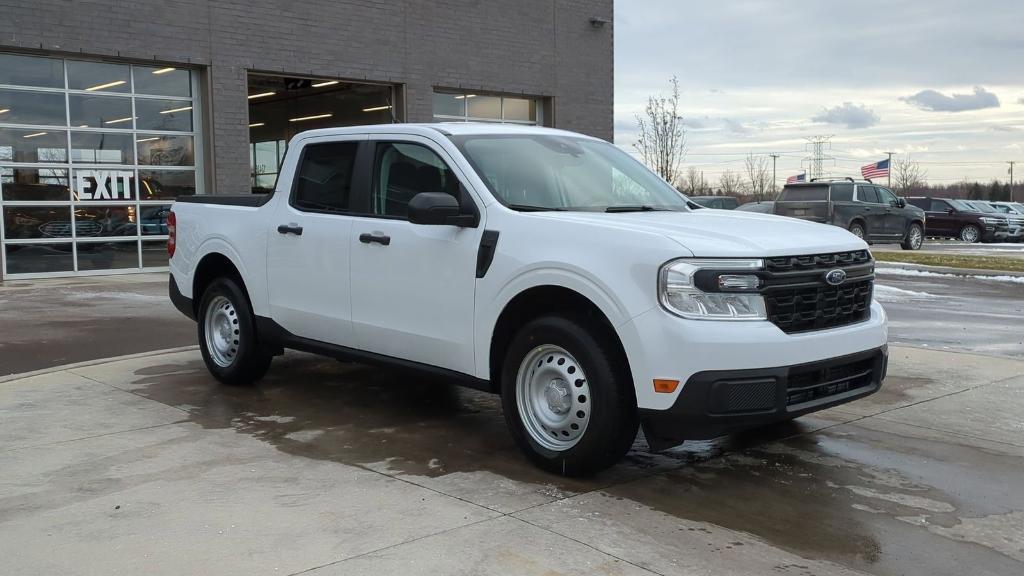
{"points": [[222, 335], [969, 234], [915, 238], [857, 231], [553, 397]]}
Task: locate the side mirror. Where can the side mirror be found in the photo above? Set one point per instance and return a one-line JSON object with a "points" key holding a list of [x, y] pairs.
{"points": [[436, 208], [901, 202]]}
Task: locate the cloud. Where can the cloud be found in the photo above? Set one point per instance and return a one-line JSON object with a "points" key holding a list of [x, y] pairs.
{"points": [[734, 126], [1020, 100], [939, 102], [849, 114]]}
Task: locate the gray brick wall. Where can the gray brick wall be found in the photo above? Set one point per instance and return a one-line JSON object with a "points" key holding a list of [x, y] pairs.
{"points": [[538, 47]]}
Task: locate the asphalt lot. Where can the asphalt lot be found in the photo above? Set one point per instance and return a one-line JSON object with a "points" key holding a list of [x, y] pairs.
{"points": [[146, 465]]}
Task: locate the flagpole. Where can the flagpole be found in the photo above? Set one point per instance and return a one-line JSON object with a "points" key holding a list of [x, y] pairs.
{"points": [[889, 183]]}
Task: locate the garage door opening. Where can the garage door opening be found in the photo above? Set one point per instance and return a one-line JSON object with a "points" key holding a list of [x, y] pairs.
{"points": [[282, 106]]}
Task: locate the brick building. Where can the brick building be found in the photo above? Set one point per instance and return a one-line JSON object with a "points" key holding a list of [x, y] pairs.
{"points": [[109, 109]]}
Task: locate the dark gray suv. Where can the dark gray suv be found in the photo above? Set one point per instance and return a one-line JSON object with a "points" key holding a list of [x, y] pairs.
{"points": [[867, 210]]}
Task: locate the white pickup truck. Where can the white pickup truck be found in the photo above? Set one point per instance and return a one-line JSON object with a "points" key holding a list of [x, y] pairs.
{"points": [[546, 266]]}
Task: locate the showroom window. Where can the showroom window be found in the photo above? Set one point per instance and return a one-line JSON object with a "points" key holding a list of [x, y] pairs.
{"points": [[282, 106], [91, 155], [463, 106]]}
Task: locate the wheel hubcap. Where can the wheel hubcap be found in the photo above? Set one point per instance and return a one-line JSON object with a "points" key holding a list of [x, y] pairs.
{"points": [[858, 232], [970, 235], [553, 397], [222, 333], [915, 238]]}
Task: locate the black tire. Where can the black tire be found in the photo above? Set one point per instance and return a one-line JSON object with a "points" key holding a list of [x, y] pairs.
{"points": [[914, 238], [857, 229], [970, 234], [248, 362], [614, 421]]}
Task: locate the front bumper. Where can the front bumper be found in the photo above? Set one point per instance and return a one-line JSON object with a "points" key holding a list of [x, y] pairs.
{"points": [[717, 402]]}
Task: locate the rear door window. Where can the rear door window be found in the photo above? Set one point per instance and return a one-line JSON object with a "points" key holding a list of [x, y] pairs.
{"points": [[323, 182], [867, 194], [804, 194]]}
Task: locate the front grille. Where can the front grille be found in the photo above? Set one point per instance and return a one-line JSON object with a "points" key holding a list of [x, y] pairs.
{"points": [[798, 299], [816, 382]]}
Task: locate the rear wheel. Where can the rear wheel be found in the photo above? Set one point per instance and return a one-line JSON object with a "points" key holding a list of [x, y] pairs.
{"points": [[227, 335], [567, 396], [970, 234], [857, 229], [914, 238]]}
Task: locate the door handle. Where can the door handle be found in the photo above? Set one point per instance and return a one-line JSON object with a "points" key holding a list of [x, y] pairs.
{"points": [[382, 239], [290, 229]]}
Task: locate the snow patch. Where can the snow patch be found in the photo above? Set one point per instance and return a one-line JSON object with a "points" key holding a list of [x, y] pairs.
{"points": [[892, 294], [885, 270]]}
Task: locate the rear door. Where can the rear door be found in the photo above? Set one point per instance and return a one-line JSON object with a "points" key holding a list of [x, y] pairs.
{"points": [[872, 210], [413, 285], [940, 221], [310, 240], [804, 201]]}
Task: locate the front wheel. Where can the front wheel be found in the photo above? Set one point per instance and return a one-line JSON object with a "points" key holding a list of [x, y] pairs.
{"points": [[914, 239], [568, 396], [970, 234], [227, 335]]}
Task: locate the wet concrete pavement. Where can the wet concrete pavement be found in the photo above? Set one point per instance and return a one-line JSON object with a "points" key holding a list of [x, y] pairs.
{"points": [[146, 465], [52, 322]]}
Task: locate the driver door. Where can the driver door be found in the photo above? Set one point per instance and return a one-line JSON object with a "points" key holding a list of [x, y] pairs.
{"points": [[413, 285]]}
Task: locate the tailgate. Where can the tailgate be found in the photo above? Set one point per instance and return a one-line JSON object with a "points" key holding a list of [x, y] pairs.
{"points": [[816, 211]]}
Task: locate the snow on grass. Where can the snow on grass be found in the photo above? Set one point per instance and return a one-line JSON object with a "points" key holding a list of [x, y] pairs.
{"points": [[893, 271], [892, 294]]}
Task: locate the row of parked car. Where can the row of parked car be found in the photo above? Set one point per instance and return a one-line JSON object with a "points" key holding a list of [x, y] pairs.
{"points": [[876, 214]]}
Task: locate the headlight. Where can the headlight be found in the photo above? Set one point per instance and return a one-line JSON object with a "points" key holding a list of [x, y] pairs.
{"points": [[712, 289], [988, 220]]}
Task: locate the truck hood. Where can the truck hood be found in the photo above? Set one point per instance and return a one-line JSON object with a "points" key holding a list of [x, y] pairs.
{"points": [[727, 233]]}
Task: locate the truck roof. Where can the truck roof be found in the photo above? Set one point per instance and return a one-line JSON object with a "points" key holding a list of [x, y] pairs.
{"points": [[447, 128]]}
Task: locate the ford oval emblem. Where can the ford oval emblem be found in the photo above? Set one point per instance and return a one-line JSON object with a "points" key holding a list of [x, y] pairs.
{"points": [[835, 277]]}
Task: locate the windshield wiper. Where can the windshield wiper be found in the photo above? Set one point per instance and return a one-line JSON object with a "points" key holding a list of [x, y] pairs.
{"points": [[637, 208], [528, 208]]}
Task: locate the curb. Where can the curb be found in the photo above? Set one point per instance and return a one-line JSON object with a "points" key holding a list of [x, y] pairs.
{"points": [[85, 363]]}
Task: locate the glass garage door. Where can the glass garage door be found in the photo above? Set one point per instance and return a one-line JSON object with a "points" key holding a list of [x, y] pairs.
{"points": [[91, 155]]}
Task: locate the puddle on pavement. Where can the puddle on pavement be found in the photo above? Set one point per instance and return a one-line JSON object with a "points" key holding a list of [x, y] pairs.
{"points": [[873, 501], [869, 500]]}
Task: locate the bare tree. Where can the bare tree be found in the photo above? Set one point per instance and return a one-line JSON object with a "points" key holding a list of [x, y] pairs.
{"points": [[730, 183], [907, 176], [662, 139], [693, 182], [759, 175]]}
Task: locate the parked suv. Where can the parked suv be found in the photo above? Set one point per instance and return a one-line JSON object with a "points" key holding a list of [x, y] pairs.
{"points": [[953, 218], [720, 202], [870, 212], [1014, 222]]}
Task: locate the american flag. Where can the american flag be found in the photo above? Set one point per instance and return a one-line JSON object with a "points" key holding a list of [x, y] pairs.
{"points": [[875, 170], [797, 178]]}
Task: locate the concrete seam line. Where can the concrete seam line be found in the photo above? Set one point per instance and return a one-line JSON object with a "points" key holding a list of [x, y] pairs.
{"points": [[96, 362], [69, 440], [949, 432], [591, 546]]}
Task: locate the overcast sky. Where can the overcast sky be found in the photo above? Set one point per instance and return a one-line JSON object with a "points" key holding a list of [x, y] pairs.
{"points": [[942, 80]]}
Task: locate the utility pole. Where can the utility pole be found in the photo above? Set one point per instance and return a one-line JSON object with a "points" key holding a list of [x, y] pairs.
{"points": [[1011, 163], [774, 157], [889, 183]]}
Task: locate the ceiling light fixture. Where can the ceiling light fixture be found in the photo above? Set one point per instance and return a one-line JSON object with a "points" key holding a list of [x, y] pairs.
{"points": [[461, 96], [256, 125], [149, 139], [5, 110], [164, 70], [317, 117], [327, 83], [261, 95], [33, 135], [119, 120], [376, 108], [107, 85], [173, 110]]}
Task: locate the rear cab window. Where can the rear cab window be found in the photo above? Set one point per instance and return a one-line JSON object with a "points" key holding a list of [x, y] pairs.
{"points": [[323, 180]]}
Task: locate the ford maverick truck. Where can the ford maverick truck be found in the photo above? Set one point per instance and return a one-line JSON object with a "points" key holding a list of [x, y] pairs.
{"points": [[545, 266]]}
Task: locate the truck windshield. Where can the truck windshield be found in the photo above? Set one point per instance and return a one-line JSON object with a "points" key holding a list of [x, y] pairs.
{"points": [[551, 172]]}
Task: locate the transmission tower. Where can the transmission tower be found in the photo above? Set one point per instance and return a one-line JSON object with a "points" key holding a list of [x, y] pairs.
{"points": [[817, 146]]}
